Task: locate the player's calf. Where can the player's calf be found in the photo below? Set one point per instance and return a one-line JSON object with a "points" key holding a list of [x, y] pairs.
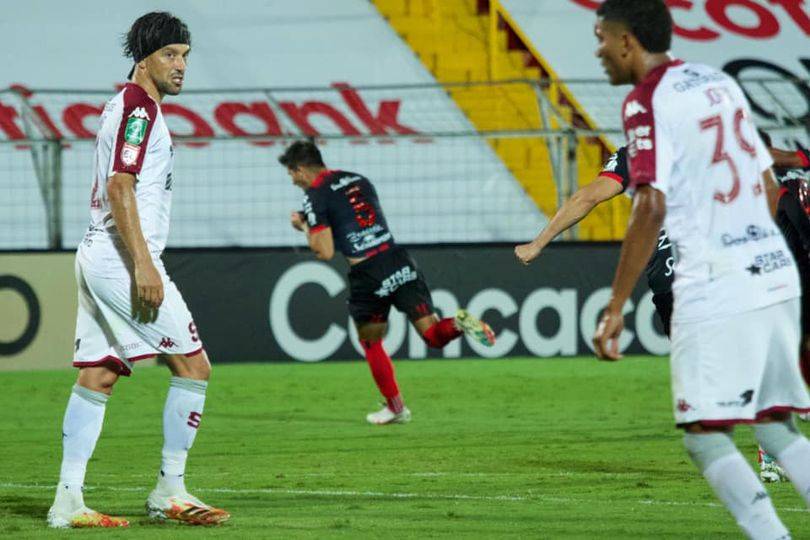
{"points": [[735, 483], [791, 449]]}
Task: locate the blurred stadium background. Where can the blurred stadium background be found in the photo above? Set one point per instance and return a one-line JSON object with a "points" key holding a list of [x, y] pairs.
{"points": [[474, 118]]}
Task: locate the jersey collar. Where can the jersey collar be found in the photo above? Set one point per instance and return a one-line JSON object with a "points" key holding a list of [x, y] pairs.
{"points": [[321, 177], [658, 71]]}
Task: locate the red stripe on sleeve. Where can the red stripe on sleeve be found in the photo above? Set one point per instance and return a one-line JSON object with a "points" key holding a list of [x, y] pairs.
{"points": [[612, 175], [317, 228], [805, 159]]}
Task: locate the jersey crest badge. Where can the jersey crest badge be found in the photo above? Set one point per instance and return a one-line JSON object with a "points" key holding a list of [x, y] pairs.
{"points": [[129, 154]]}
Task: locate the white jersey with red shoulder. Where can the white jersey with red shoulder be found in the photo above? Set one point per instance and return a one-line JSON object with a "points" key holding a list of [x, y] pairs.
{"points": [[690, 135], [133, 138]]}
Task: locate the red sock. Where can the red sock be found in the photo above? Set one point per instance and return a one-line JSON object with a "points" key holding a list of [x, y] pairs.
{"points": [[441, 333], [383, 372]]}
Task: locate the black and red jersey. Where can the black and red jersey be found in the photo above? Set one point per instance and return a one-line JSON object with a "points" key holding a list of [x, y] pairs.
{"points": [[348, 203], [660, 269]]}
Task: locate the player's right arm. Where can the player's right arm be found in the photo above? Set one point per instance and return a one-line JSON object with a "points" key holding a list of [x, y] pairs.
{"points": [[319, 238], [570, 213], [124, 208], [130, 143]]}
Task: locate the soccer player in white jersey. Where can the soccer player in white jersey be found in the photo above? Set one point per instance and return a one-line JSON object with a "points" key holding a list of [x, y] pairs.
{"points": [[129, 309], [698, 165]]}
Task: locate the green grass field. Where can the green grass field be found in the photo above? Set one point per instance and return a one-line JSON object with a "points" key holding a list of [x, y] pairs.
{"points": [[506, 448]]}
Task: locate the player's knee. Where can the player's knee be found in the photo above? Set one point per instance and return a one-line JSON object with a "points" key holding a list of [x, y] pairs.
{"points": [[200, 370], [774, 437], [97, 379], [707, 447]]}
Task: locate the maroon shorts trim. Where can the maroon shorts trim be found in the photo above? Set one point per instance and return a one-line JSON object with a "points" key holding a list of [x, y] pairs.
{"points": [[761, 414], [192, 353], [118, 365]]}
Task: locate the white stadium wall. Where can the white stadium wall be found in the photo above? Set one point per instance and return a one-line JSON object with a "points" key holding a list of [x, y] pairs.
{"points": [[748, 38], [233, 193]]}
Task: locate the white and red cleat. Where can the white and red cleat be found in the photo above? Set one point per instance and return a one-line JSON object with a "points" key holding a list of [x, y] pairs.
{"points": [[387, 416], [82, 518], [475, 328], [185, 508]]}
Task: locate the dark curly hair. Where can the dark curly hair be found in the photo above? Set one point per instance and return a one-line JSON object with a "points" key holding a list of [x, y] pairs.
{"points": [[152, 32]]}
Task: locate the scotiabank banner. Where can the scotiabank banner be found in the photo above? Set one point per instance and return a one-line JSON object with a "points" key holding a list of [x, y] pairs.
{"points": [[270, 305]]}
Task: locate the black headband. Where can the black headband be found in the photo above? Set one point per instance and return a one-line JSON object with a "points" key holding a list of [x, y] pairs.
{"points": [[176, 34]]}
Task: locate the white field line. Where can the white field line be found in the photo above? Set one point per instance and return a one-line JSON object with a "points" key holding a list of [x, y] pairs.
{"points": [[383, 495]]}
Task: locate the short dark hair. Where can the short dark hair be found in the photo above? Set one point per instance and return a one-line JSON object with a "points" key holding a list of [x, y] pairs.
{"points": [[649, 20], [152, 32], [301, 153]]}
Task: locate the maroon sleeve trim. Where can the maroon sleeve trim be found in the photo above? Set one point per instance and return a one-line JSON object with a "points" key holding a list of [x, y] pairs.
{"points": [[317, 228], [130, 146]]}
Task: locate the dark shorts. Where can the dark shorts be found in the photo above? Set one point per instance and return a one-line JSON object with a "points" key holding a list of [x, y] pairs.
{"points": [[663, 306], [390, 278]]}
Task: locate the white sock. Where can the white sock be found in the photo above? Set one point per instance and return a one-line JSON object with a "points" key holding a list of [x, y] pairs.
{"points": [[795, 459], [736, 484], [181, 418], [81, 428]]}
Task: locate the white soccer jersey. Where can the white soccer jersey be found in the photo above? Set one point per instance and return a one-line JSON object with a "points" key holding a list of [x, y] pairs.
{"points": [[690, 136], [133, 138]]}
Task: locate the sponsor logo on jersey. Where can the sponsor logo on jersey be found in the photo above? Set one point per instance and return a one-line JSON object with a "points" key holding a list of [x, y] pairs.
{"points": [[344, 182], [684, 406], [752, 233], [395, 281], [769, 262], [744, 399], [135, 130], [129, 154], [612, 163], [633, 108]]}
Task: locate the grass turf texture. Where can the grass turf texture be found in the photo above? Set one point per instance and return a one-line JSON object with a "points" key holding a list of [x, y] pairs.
{"points": [[508, 448]]}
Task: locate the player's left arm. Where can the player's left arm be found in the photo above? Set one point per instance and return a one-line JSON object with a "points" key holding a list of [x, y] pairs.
{"points": [[646, 221], [319, 238], [786, 159]]}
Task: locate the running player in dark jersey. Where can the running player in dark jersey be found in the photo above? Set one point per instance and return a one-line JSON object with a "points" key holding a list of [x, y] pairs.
{"points": [[612, 181], [792, 170], [341, 209]]}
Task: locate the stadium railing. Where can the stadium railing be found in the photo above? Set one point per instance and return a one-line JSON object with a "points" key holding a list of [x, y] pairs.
{"points": [[444, 181]]}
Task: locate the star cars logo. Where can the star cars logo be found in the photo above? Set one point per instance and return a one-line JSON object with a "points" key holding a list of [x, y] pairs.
{"points": [[769, 262]]}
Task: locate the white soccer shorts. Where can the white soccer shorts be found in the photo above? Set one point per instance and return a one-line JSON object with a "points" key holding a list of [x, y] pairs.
{"points": [[739, 368], [107, 333]]}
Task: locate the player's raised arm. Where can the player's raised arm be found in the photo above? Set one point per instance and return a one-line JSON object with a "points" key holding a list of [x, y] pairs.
{"points": [[611, 181], [124, 209], [786, 159], [569, 214]]}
